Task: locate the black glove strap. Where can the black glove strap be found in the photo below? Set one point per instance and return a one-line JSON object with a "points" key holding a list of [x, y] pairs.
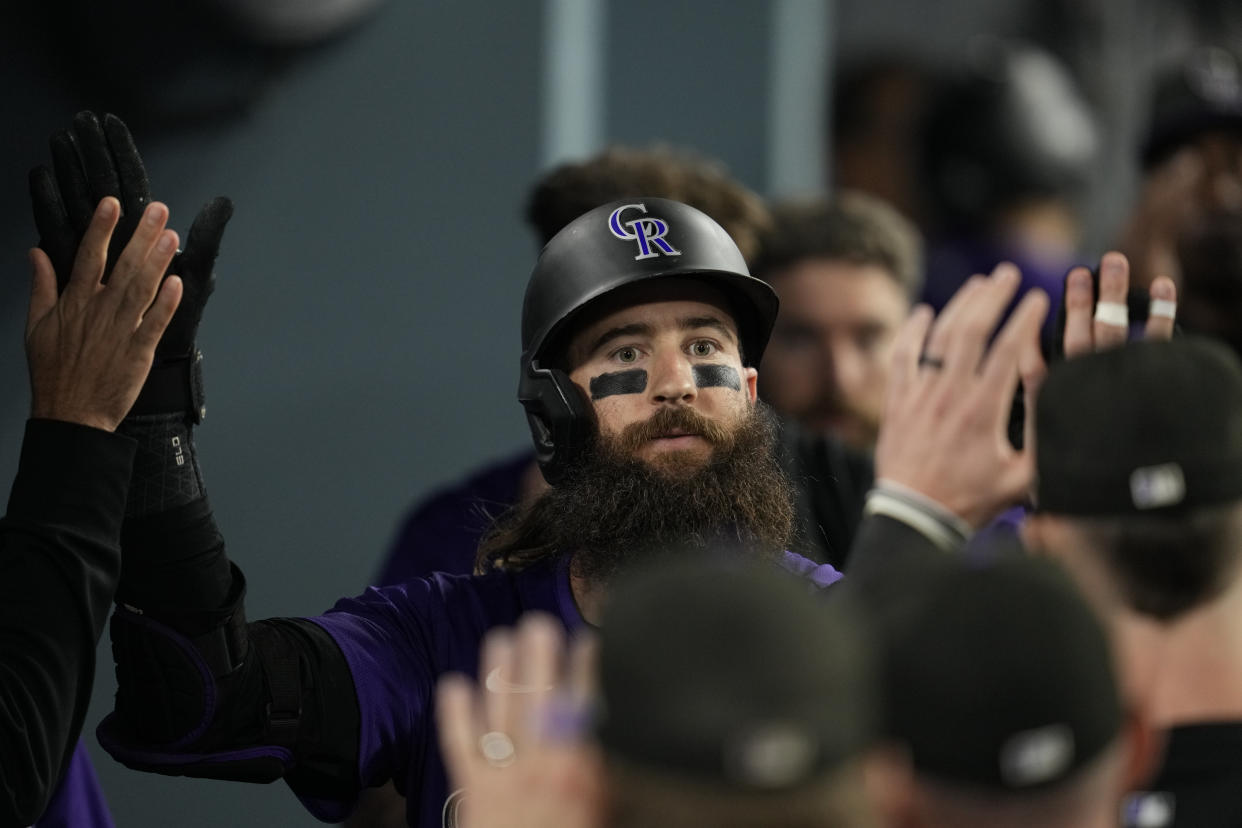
{"points": [[282, 669], [174, 385]]}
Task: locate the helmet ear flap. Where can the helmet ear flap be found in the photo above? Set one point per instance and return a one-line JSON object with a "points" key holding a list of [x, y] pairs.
{"points": [[558, 415]]}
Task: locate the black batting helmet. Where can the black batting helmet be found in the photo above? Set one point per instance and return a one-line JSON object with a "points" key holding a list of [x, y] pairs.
{"points": [[618, 244]]}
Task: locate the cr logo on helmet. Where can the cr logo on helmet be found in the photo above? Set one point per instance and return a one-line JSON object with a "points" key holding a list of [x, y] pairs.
{"points": [[646, 230]]}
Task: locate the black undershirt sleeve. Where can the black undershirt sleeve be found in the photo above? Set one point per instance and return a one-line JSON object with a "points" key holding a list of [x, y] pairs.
{"points": [[59, 563]]}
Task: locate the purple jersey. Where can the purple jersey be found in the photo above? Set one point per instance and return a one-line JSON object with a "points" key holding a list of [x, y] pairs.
{"points": [[442, 531], [398, 640], [78, 801]]}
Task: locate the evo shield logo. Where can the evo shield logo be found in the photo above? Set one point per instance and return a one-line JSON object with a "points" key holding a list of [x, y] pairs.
{"points": [[648, 231]]}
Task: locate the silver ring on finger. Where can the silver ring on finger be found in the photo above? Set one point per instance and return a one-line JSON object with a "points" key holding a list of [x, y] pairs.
{"points": [[497, 749]]}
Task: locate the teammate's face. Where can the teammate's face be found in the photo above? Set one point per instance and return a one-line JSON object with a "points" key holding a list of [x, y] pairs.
{"points": [[662, 367], [827, 364], [1208, 237]]}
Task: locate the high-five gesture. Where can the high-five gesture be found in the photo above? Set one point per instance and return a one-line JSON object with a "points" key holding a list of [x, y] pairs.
{"points": [[90, 347], [944, 436], [94, 160], [944, 429]]}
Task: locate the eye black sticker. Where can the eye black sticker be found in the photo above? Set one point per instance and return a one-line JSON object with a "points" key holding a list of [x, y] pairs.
{"points": [[619, 382], [716, 376]]}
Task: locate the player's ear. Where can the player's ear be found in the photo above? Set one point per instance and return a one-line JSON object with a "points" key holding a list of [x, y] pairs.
{"points": [[751, 382]]}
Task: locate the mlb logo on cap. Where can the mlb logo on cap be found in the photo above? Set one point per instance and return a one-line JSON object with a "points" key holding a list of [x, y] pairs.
{"points": [[1155, 486]]}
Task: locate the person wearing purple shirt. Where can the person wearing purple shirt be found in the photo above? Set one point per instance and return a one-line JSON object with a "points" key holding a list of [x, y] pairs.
{"points": [[641, 332], [441, 531]]}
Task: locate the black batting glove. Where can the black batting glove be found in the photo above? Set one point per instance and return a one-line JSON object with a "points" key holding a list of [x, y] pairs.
{"points": [[95, 159], [90, 160]]}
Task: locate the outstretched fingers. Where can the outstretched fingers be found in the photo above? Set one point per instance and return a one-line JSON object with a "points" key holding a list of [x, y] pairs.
{"points": [[1163, 309], [42, 288], [1079, 305], [907, 348], [144, 261], [1016, 349], [1015, 354], [965, 342], [158, 315], [457, 720], [540, 651], [88, 267], [497, 668], [1111, 324]]}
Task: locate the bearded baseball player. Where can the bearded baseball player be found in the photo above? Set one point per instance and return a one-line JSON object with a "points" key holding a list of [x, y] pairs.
{"points": [[641, 332], [641, 335]]}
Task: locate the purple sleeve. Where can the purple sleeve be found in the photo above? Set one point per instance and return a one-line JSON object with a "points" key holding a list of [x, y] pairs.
{"points": [[78, 801], [441, 532], [390, 658]]}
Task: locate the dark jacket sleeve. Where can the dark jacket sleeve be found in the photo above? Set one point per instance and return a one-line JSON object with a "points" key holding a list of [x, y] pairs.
{"points": [[885, 547], [59, 564]]}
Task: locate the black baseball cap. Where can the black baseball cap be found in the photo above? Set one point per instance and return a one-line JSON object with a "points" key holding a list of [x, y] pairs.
{"points": [[1202, 92], [1149, 428], [731, 673], [998, 676]]}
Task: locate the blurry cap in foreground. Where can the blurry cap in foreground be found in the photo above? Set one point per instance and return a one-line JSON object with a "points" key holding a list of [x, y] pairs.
{"points": [[733, 674]]}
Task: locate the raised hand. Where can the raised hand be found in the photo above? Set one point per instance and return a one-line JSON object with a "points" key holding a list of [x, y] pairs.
{"points": [[1092, 325], [944, 431], [97, 159], [90, 161], [90, 345], [511, 744]]}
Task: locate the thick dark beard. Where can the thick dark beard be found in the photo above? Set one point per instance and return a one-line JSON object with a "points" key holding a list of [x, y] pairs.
{"points": [[1210, 300], [614, 511]]}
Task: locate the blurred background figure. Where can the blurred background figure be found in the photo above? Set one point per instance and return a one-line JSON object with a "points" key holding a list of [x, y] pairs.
{"points": [[238, 48], [1005, 151], [846, 270], [877, 104], [1187, 223], [1000, 682]]}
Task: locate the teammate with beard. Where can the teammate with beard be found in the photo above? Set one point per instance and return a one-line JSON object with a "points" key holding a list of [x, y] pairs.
{"points": [[441, 533], [1188, 219], [641, 330]]}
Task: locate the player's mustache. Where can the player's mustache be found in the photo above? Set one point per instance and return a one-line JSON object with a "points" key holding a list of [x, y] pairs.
{"points": [[671, 420]]}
